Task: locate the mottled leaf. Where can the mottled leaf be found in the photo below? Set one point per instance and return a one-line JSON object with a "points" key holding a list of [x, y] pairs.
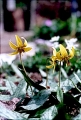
{"points": [[38, 100], [11, 86], [9, 114], [5, 97], [78, 117], [30, 82], [60, 94], [20, 90], [16, 70], [49, 114]]}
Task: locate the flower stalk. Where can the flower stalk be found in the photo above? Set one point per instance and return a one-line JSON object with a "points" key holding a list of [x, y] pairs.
{"points": [[46, 78], [62, 55], [19, 48], [23, 65], [76, 86], [59, 73]]}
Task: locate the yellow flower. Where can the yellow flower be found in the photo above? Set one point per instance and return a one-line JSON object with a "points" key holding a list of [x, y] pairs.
{"points": [[64, 54], [52, 60], [61, 55], [20, 47]]}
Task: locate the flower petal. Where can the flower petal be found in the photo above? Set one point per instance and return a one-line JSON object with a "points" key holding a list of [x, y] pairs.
{"points": [[12, 45], [25, 43], [63, 51], [71, 53], [14, 53], [19, 41], [54, 52], [53, 58], [58, 55], [26, 49], [50, 66], [73, 50]]}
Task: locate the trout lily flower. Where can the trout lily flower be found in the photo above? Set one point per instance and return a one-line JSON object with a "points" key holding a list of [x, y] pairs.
{"points": [[20, 47], [65, 54], [62, 55], [52, 63], [53, 60]]}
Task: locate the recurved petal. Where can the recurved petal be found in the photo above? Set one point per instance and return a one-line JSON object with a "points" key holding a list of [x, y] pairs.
{"points": [[14, 53], [71, 53], [53, 58], [12, 45], [58, 55], [26, 49], [25, 43], [19, 41], [54, 51], [73, 50], [63, 51], [50, 66]]}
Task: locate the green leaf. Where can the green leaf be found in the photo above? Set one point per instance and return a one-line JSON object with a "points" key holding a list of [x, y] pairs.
{"points": [[11, 86], [78, 117], [42, 73], [16, 70], [30, 82], [64, 73], [13, 78], [67, 84], [5, 97], [20, 91], [8, 114], [51, 83], [60, 95], [62, 112], [38, 100], [3, 88], [34, 119], [80, 100], [49, 114], [73, 100], [77, 77]]}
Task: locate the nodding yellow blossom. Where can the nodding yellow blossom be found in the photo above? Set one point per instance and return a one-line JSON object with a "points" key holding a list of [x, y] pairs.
{"points": [[20, 47], [62, 55], [65, 54], [53, 59]]}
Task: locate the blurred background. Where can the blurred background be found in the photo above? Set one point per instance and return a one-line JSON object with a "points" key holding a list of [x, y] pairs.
{"points": [[39, 18]]}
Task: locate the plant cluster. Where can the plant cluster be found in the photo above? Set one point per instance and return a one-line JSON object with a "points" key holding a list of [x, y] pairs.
{"points": [[57, 96]]}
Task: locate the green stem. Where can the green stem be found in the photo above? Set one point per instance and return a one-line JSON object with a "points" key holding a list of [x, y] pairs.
{"points": [[25, 73], [76, 86], [60, 74], [23, 65], [24, 68], [46, 77], [27, 78], [47, 74]]}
